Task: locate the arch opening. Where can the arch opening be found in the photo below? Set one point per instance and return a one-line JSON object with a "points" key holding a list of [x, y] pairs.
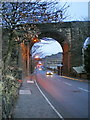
{"points": [[52, 59]]}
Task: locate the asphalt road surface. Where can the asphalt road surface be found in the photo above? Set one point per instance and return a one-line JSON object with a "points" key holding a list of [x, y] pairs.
{"points": [[69, 97]]}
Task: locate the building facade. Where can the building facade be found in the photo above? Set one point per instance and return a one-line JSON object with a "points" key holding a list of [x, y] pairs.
{"points": [[53, 61]]}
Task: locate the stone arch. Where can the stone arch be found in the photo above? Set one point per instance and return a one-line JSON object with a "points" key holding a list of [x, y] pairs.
{"points": [[69, 34], [53, 34], [62, 39]]}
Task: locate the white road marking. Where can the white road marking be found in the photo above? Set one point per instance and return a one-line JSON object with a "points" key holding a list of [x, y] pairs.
{"points": [[60, 116], [67, 83], [24, 92], [83, 89], [30, 81]]}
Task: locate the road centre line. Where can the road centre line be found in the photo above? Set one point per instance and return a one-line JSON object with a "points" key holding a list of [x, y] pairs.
{"points": [[83, 89], [60, 116], [67, 83]]}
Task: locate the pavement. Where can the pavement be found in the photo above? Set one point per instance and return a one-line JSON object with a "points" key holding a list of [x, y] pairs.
{"points": [[31, 103]]}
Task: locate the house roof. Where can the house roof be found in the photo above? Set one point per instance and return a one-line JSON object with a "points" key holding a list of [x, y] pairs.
{"points": [[79, 69]]}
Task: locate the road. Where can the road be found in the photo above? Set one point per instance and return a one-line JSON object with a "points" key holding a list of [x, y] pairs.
{"points": [[69, 97]]}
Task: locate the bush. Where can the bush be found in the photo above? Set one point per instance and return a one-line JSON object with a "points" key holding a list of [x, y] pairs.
{"points": [[10, 90]]}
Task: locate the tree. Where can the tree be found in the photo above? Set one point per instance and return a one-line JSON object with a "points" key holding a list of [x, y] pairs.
{"points": [[32, 12], [14, 13], [87, 60], [18, 19], [17, 16]]}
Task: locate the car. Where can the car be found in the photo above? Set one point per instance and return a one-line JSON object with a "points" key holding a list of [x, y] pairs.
{"points": [[49, 73], [40, 68]]}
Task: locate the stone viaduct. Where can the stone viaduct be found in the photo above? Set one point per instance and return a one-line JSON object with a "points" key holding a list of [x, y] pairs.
{"points": [[71, 36]]}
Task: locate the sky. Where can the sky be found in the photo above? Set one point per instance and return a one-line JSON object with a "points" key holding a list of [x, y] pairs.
{"points": [[47, 47], [78, 10]]}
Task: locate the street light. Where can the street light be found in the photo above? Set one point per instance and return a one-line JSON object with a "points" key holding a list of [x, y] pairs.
{"points": [[35, 39], [36, 57]]}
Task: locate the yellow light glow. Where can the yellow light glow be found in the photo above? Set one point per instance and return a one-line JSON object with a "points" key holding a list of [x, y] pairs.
{"points": [[35, 40], [36, 56]]}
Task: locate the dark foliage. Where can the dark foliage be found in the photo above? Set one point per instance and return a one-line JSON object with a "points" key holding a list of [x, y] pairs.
{"points": [[87, 60]]}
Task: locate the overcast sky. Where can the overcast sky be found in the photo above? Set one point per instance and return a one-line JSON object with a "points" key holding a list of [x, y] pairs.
{"points": [[78, 10], [47, 47]]}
